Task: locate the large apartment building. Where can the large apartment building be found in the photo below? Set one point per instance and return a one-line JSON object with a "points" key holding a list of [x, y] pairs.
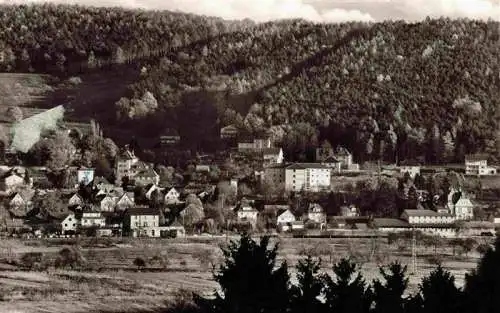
{"points": [[307, 177]]}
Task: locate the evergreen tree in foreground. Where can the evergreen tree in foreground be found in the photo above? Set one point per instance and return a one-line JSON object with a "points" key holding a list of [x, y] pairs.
{"points": [[305, 294], [388, 295], [348, 292], [439, 293], [482, 286], [249, 281]]}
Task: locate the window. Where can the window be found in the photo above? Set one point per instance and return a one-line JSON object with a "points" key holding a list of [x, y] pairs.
{"points": [[65, 225], [69, 219], [153, 232], [145, 224]]}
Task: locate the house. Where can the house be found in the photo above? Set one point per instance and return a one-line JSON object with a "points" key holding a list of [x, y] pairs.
{"points": [[422, 217], [152, 189], [412, 170], [272, 156], [285, 220], [245, 212], [332, 163], [92, 219], [22, 199], [477, 164], [459, 205], [103, 184], [75, 200], [142, 221], [307, 177], [349, 211], [108, 204], [124, 163], [257, 143], [229, 132], [316, 213], [69, 224], [146, 177], [172, 196], [127, 200], [11, 181], [169, 137]]}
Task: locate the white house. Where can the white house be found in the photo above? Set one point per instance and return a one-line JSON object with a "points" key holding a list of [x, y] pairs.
{"points": [[11, 182], [410, 169], [316, 213], [477, 164], [462, 208], [307, 176], [22, 199], [75, 200], [285, 220], [245, 212], [126, 201], [108, 203], [124, 163], [92, 219], [349, 211], [172, 196], [142, 221], [272, 156], [69, 223]]}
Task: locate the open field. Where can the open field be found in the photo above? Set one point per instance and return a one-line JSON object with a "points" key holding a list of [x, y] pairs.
{"points": [[112, 283]]}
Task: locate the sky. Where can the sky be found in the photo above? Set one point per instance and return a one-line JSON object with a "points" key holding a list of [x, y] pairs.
{"points": [[313, 10]]}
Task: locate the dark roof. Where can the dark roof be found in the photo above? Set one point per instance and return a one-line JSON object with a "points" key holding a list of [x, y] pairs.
{"points": [[271, 151], [126, 155], [424, 213], [341, 151], [390, 222], [330, 159], [142, 211], [476, 157], [302, 166]]}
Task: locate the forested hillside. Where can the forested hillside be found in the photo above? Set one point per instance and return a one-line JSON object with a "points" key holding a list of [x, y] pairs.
{"points": [[393, 90]]}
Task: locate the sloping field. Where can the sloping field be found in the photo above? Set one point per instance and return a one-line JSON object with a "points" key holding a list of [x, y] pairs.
{"points": [[23, 89], [112, 283]]}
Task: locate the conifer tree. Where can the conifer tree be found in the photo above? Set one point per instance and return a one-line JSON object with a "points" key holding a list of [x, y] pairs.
{"points": [[388, 295], [305, 294], [347, 293]]}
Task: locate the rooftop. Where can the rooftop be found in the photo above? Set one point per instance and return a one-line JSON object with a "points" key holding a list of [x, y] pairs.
{"points": [[476, 157], [390, 223], [142, 211], [424, 212], [303, 166]]}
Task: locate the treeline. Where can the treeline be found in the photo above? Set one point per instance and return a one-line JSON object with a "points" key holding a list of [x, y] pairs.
{"points": [[392, 91], [251, 281]]}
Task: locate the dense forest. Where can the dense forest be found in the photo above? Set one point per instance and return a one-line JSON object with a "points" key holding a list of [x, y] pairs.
{"points": [[392, 90]]}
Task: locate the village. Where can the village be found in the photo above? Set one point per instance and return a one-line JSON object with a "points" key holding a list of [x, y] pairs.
{"points": [[214, 201]]}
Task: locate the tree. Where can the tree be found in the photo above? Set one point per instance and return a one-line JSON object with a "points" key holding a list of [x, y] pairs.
{"points": [[439, 293], [55, 151], [304, 296], [348, 293], [483, 283], [419, 181], [249, 279], [50, 205], [388, 296], [69, 256], [192, 214]]}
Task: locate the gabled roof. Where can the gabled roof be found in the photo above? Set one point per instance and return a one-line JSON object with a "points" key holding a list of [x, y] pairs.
{"points": [[149, 172], [303, 166], [101, 180], [26, 194], [126, 154], [330, 159], [341, 151]]}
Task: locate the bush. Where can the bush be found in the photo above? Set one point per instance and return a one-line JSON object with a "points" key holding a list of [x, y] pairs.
{"points": [[32, 260], [69, 256], [139, 262]]}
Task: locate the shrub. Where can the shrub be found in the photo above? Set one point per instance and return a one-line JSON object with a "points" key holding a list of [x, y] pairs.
{"points": [[69, 256], [32, 260], [139, 262]]}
